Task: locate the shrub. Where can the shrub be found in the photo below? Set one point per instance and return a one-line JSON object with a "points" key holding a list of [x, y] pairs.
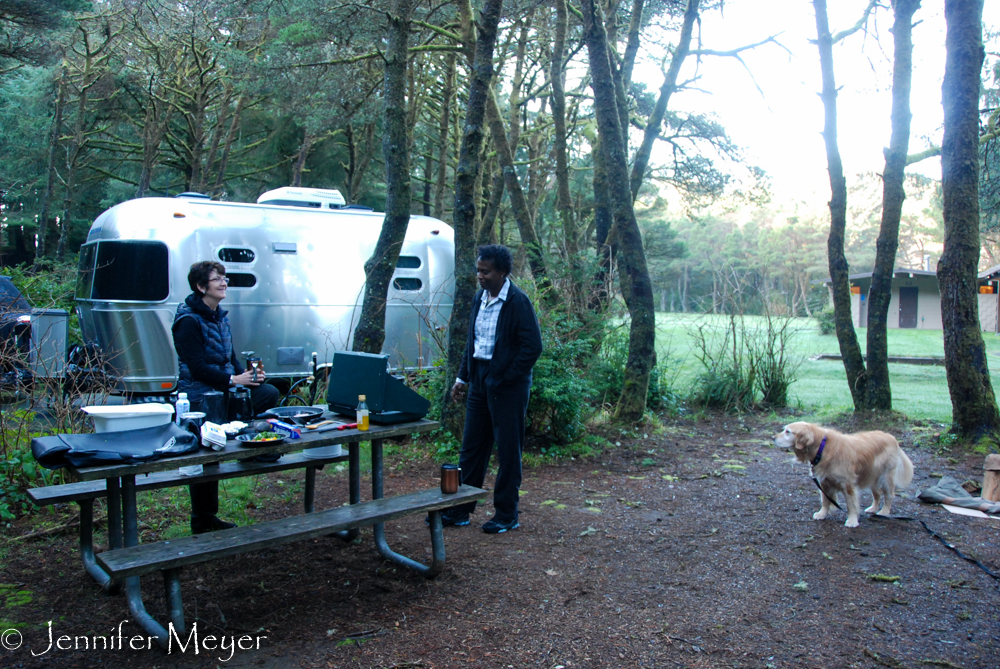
{"points": [[826, 322]]}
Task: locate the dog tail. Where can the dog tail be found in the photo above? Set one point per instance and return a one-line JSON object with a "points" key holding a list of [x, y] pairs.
{"points": [[904, 470]]}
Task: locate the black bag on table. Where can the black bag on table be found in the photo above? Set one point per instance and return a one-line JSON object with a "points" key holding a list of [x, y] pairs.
{"points": [[111, 448]]}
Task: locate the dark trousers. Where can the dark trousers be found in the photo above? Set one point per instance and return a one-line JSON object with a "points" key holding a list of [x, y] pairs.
{"points": [[494, 416], [205, 496]]}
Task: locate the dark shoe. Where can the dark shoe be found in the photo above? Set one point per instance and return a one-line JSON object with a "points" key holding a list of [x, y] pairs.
{"points": [[449, 519], [495, 526], [203, 524]]}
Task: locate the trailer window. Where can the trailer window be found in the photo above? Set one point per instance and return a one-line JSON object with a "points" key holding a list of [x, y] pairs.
{"points": [[405, 283], [236, 255], [131, 271], [241, 280], [408, 262], [85, 271]]}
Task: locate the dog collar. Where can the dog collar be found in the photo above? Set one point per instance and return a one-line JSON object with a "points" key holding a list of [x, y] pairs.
{"points": [[819, 453]]}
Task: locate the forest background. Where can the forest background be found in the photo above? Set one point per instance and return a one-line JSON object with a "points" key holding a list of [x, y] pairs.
{"points": [[108, 100]]}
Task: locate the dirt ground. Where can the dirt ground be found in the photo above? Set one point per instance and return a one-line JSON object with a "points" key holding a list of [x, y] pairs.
{"points": [[690, 547]]}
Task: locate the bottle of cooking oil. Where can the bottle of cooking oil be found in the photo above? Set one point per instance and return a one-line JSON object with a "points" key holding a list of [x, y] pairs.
{"points": [[362, 413]]}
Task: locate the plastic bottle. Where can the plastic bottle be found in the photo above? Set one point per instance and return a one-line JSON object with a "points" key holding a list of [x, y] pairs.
{"points": [[182, 407], [362, 413]]}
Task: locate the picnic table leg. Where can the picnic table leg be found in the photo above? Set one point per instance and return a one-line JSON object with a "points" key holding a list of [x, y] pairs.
{"points": [[310, 493], [172, 586], [133, 592], [437, 531], [114, 513], [354, 478], [87, 547]]}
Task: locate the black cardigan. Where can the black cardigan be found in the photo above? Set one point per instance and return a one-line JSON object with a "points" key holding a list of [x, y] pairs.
{"points": [[518, 344]]}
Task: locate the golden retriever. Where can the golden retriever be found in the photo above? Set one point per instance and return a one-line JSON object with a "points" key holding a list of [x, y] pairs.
{"points": [[849, 462]]}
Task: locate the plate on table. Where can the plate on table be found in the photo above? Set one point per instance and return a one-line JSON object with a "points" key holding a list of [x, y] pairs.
{"points": [[296, 415], [249, 439]]}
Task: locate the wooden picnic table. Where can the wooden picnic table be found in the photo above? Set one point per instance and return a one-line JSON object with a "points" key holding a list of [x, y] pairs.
{"points": [[126, 560]]}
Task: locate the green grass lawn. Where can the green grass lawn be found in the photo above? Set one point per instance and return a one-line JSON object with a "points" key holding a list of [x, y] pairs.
{"points": [[919, 391]]}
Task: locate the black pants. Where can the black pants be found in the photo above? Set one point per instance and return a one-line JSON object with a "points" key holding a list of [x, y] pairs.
{"points": [[205, 496], [494, 416]]}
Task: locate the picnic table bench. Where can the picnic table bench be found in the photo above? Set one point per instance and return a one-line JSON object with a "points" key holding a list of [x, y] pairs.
{"points": [[127, 560]]}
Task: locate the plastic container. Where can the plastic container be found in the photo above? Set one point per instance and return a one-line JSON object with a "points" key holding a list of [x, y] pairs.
{"points": [[129, 417], [362, 413], [183, 406], [323, 452]]}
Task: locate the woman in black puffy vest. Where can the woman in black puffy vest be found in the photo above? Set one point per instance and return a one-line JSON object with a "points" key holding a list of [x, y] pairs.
{"points": [[207, 361]]}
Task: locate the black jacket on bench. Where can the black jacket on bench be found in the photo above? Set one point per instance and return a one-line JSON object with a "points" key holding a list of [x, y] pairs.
{"points": [[110, 448]]}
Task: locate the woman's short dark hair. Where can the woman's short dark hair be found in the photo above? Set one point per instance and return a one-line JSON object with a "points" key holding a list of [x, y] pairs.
{"points": [[200, 271], [500, 255]]}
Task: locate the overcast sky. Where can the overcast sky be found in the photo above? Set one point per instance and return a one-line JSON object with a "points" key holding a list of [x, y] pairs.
{"points": [[781, 129]]}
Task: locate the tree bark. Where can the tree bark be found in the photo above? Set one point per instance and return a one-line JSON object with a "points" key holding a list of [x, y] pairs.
{"points": [[379, 268], [850, 350], [444, 124], [879, 392], [518, 202], [466, 201], [636, 285], [974, 407], [655, 121], [557, 76], [57, 123]]}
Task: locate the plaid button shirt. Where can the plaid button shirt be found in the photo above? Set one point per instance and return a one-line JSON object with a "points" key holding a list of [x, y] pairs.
{"points": [[486, 323]]}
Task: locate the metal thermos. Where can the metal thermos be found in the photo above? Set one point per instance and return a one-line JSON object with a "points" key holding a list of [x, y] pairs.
{"points": [[451, 478], [215, 407], [242, 407]]}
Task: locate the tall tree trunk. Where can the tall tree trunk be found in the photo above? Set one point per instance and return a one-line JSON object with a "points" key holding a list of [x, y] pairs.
{"points": [[74, 150], [489, 218], [50, 181], [299, 165], [518, 202], [445, 123], [227, 146], [973, 404], [879, 392], [655, 121], [379, 268], [466, 202], [557, 76], [850, 350], [607, 249], [636, 286]]}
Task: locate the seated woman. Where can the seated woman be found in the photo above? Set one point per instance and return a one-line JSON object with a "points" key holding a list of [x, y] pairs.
{"points": [[207, 361]]}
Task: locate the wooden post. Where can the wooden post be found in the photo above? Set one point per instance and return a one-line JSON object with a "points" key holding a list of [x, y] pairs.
{"points": [[991, 478]]}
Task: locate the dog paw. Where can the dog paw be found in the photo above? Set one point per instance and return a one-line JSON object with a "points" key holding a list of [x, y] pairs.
{"points": [[819, 515], [851, 522], [871, 509]]}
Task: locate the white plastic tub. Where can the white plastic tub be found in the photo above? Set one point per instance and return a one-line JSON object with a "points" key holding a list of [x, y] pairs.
{"points": [[129, 417], [323, 452]]}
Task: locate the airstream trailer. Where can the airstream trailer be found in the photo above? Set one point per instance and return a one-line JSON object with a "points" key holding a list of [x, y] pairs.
{"points": [[295, 263]]}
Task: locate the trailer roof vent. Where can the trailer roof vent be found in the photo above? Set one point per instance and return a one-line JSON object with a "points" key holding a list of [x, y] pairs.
{"points": [[313, 198]]}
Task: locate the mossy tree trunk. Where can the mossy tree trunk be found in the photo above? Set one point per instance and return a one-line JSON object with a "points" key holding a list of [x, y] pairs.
{"points": [[464, 216], [974, 408], [879, 392], [634, 274], [379, 268], [850, 350]]}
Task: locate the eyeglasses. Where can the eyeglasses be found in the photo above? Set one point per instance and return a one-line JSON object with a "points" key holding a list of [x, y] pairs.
{"points": [[220, 279]]}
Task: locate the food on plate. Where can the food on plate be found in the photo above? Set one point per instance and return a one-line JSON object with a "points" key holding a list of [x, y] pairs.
{"points": [[267, 436]]}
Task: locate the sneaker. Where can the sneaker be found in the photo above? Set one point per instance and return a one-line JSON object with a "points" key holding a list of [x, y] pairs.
{"points": [[495, 526], [450, 519], [203, 524]]}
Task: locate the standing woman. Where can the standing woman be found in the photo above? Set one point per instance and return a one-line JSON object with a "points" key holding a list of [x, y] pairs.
{"points": [[207, 361], [504, 343]]}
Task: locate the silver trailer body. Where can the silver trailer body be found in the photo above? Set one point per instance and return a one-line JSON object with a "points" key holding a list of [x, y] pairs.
{"points": [[296, 283]]}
